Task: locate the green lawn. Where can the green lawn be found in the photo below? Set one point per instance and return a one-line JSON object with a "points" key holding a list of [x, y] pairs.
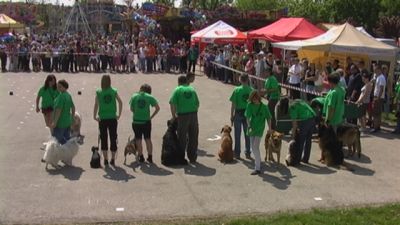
{"points": [[382, 215]]}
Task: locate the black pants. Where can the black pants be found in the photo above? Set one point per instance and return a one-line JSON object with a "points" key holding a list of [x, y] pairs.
{"points": [[192, 63], [3, 58], [108, 126], [56, 64], [103, 59], [294, 94], [188, 135]]}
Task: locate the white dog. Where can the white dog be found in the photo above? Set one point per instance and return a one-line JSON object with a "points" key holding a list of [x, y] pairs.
{"points": [[76, 128], [55, 152]]}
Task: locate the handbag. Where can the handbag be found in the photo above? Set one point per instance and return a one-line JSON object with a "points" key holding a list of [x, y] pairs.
{"points": [[95, 159]]}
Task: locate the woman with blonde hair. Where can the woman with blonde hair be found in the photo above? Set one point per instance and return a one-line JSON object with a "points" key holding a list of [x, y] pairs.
{"points": [[105, 112]]}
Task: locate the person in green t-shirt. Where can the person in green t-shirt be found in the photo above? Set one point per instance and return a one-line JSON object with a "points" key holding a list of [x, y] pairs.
{"points": [[140, 107], [334, 102], [303, 124], [184, 104], [272, 92], [105, 112], [257, 113], [239, 98], [47, 94], [64, 109]]}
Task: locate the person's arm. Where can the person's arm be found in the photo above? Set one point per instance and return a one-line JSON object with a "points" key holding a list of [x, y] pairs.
{"points": [[119, 106], [95, 109], [37, 103], [156, 111], [173, 110], [57, 114], [361, 98], [73, 110], [232, 111]]}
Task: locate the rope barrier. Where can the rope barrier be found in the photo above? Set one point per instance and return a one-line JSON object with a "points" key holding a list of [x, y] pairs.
{"points": [[316, 93]]}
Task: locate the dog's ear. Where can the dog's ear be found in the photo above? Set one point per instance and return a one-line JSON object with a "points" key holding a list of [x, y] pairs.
{"points": [[230, 129], [222, 130]]}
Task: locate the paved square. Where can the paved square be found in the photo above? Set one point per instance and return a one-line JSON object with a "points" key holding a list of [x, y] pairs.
{"points": [[30, 194]]}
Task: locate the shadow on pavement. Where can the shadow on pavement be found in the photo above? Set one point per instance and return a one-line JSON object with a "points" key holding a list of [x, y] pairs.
{"points": [[280, 182], [153, 169], [69, 172], [316, 169], [203, 153], [117, 173], [199, 169], [361, 171], [364, 159], [381, 134]]}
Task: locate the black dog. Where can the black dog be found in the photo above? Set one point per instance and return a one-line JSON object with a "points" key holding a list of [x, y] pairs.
{"points": [[95, 160], [330, 146], [170, 154]]}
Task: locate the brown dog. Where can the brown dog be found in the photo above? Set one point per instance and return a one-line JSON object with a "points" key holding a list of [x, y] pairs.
{"points": [[349, 135], [273, 143], [225, 154], [130, 148]]}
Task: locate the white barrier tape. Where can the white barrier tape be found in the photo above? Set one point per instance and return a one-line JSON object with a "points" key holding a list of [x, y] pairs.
{"points": [[58, 54], [316, 93]]}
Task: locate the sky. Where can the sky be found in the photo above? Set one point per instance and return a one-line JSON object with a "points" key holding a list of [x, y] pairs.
{"points": [[70, 2]]}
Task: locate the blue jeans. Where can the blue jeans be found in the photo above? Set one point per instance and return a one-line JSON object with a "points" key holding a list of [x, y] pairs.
{"points": [[306, 128], [239, 121], [62, 134], [142, 64]]}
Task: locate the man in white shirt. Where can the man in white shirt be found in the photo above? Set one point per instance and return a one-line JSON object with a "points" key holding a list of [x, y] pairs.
{"points": [[294, 78], [260, 67], [379, 97]]}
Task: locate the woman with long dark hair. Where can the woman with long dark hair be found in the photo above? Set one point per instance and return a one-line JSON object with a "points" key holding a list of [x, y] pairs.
{"points": [[47, 94]]}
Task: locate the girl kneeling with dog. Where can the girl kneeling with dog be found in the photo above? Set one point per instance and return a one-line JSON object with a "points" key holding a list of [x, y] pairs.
{"points": [[105, 112], [257, 113], [140, 106]]}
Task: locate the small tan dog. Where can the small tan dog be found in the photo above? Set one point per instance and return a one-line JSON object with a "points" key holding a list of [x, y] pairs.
{"points": [[130, 148], [225, 154], [349, 135], [273, 143]]}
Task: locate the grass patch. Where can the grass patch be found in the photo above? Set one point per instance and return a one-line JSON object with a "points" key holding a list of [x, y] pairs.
{"points": [[382, 215]]}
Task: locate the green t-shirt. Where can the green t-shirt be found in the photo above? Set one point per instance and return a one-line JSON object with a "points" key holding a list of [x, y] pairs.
{"points": [[257, 114], [240, 95], [65, 103], [271, 84], [335, 99], [185, 99], [107, 103], [48, 96], [140, 105], [300, 110], [397, 92]]}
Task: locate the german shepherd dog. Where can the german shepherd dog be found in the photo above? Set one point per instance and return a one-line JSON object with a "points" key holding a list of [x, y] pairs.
{"points": [[130, 148], [349, 135], [331, 148]]}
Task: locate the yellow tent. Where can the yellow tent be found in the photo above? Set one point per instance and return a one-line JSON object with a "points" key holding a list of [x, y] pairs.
{"points": [[340, 42], [7, 22]]}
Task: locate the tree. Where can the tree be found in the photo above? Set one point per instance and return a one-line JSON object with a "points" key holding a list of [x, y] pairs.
{"points": [[388, 27], [390, 7], [256, 5]]}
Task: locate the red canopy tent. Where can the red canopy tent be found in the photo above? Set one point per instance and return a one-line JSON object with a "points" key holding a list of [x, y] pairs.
{"points": [[219, 33], [286, 29]]}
